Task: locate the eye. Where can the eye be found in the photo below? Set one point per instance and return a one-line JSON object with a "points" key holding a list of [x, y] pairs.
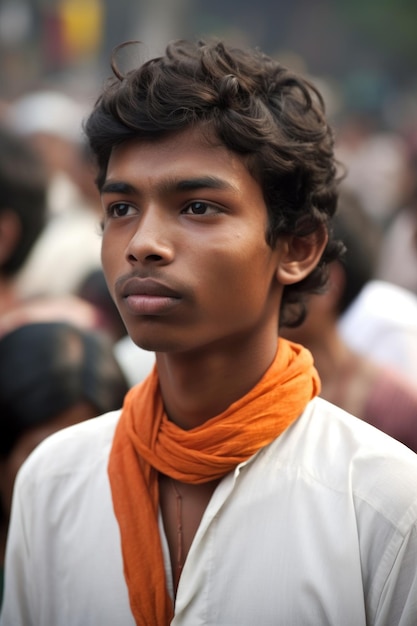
{"points": [[200, 208], [120, 209]]}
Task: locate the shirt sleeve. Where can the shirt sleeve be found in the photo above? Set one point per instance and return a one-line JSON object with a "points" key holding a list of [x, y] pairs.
{"points": [[398, 602]]}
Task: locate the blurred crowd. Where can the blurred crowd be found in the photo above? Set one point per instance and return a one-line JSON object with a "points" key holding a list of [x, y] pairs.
{"points": [[64, 352]]}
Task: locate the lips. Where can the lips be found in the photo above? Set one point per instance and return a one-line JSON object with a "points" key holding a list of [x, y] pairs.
{"points": [[147, 287], [146, 296]]}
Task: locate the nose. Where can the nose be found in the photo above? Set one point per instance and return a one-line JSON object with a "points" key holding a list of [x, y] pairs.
{"points": [[151, 242]]}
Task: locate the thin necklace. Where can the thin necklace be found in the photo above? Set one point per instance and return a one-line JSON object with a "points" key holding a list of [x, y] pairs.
{"points": [[180, 534]]}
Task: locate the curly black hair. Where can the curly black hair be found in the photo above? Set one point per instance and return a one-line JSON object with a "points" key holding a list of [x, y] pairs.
{"points": [[256, 108]]}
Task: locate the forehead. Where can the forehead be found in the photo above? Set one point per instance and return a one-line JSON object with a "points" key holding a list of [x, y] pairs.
{"points": [[186, 153]]}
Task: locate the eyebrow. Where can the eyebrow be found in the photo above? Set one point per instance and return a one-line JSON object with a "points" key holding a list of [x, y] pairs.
{"points": [[202, 182], [168, 186], [117, 187]]}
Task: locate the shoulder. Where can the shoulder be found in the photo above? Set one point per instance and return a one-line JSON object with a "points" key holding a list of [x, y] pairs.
{"points": [[345, 455], [73, 450], [345, 439]]}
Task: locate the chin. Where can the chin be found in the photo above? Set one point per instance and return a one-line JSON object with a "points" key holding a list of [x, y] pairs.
{"points": [[152, 343]]}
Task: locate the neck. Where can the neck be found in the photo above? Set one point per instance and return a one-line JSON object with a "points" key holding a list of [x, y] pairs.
{"points": [[196, 387]]}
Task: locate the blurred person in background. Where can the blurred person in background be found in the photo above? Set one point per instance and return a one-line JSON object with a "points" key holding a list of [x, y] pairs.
{"points": [[376, 393], [397, 261], [381, 321], [52, 375], [69, 247], [23, 192], [376, 163], [23, 217]]}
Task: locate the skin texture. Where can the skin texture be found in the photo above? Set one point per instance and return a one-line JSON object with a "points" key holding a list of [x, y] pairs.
{"points": [[187, 263]]}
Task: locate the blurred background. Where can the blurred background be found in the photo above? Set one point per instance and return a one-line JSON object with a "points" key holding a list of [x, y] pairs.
{"points": [[365, 50]]}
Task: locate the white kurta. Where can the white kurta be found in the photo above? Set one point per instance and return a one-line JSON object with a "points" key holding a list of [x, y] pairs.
{"points": [[319, 528]]}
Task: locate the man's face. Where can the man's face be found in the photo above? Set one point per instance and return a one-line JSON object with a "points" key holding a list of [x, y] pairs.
{"points": [[184, 249]]}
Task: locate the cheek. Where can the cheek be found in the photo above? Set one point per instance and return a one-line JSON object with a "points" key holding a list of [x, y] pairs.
{"points": [[105, 250], [241, 272], [109, 261]]}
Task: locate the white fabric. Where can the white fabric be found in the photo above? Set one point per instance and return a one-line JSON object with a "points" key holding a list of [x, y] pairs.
{"points": [[319, 528], [382, 324], [50, 112]]}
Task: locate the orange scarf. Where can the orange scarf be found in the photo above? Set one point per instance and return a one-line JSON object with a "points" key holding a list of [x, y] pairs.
{"points": [[146, 442]]}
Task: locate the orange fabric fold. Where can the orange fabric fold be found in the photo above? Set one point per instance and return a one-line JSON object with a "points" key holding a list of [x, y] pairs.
{"points": [[146, 442]]}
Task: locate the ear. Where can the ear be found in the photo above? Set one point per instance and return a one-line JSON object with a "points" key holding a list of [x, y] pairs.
{"points": [[10, 233], [300, 255]]}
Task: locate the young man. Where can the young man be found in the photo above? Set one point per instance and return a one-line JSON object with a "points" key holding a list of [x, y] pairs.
{"points": [[225, 491]]}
